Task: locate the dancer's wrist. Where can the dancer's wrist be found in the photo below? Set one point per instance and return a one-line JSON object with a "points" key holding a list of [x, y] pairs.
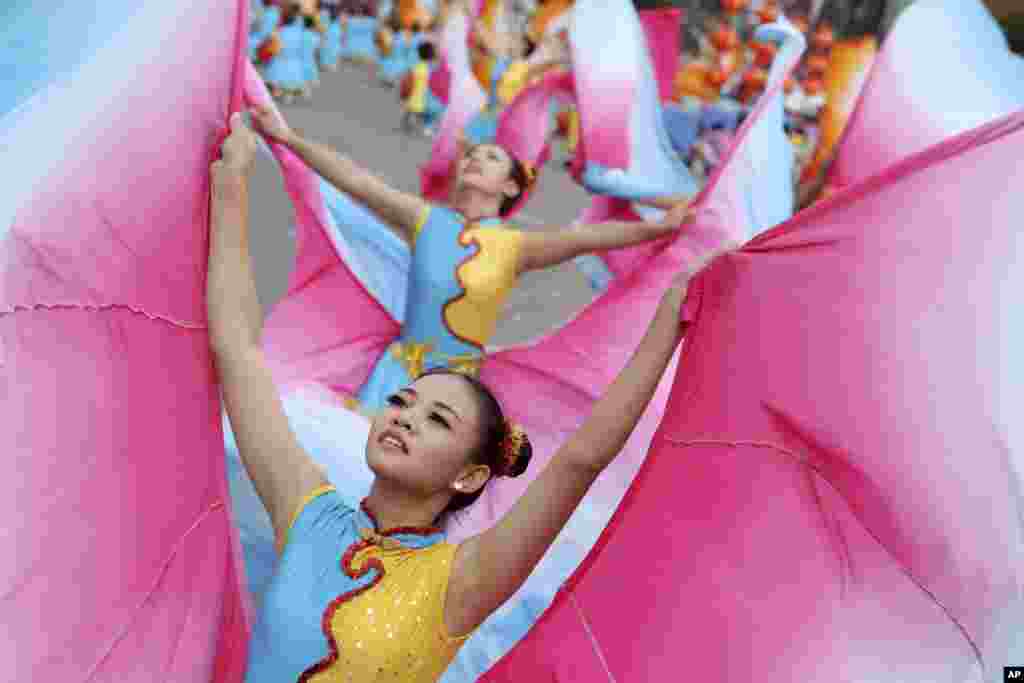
{"points": [[229, 181]]}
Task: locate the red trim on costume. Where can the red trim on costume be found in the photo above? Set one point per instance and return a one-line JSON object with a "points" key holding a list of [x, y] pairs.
{"points": [[346, 566], [466, 226], [418, 530]]}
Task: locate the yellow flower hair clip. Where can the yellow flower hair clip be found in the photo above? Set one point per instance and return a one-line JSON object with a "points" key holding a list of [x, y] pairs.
{"points": [[531, 174], [512, 445]]}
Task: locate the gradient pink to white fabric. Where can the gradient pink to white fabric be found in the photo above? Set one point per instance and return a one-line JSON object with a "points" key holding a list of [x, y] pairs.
{"points": [[122, 563], [830, 495]]}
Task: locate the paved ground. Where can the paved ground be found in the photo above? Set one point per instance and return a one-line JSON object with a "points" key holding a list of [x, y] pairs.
{"points": [[360, 119]]}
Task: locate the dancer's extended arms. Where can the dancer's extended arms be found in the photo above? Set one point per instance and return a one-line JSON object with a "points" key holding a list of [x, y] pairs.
{"points": [[281, 470], [400, 209], [490, 567], [544, 249]]}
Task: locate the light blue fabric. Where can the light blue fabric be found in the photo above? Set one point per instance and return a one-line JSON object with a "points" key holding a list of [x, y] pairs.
{"points": [[391, 68], [359, 39], [311, 41], [434, 110], [330, 48], [286, 70]]}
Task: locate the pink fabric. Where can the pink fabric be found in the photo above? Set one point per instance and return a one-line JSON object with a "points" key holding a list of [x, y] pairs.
{"points": [[465, 100], [524, 125], [121, 561], [605, 85], [662, 27], [319, 283], [440, 81], [829, 496], [944, 68], [724, 198]]}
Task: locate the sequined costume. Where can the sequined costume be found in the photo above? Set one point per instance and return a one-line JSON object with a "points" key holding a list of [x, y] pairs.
{"points": [[352, 602]]}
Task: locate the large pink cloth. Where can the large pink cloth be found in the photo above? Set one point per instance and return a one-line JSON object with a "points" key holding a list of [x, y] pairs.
{"points": [[465, 99], [121, 562], [830, 496]]}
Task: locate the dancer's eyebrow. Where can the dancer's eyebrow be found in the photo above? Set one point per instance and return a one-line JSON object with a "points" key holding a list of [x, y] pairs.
{"points": [[439, 404], [447, 407]]}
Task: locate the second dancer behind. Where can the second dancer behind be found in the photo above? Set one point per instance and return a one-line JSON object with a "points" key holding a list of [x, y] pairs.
{"points": [[466, 259]]}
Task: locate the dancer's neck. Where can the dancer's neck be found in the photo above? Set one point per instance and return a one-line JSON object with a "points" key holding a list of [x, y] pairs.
{"points": [[392, 507], [474, 205]]}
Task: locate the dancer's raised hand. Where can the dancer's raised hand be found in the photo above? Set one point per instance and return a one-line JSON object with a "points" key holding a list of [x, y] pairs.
{"points": [[678, 215], [272, 124], [237, 150]]}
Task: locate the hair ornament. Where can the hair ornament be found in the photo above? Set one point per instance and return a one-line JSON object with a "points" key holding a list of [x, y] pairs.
{"points": [[531, 175], [512, 445]]}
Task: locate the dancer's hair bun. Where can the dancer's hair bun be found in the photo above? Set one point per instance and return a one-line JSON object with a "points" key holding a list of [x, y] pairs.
{"points": [[516, 450]]}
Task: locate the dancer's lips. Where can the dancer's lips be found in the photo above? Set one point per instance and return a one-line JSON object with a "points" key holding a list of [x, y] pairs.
{"points": [[394, 440]]}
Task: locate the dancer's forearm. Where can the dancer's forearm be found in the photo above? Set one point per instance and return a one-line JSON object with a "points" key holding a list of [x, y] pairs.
{"points": [[550, 248], [616, 414], [618, 234], [500, 559], [233, 309], [400, 209]]}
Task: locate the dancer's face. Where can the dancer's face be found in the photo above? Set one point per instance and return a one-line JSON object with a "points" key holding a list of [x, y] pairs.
{"points": [[487, 168], [426, 435]]}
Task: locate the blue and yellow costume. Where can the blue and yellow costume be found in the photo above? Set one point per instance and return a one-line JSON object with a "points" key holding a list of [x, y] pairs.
{"points": [[359, 32], [461, 274], [311, 41], [287, 69], [351, 602], [458, 277], [267, 23], [330, 48], [391, 67]]}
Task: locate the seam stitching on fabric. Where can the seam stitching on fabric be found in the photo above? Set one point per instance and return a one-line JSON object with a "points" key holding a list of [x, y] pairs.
{"points": [[975, 648], [23, 308], [590, 634]]}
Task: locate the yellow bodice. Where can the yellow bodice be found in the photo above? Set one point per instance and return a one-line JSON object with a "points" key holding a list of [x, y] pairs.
{"points": [[395, 631], [487, 279]]}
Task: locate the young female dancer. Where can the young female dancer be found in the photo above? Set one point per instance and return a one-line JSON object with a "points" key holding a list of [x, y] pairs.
{"points": [[465, 259], [375, 593]]}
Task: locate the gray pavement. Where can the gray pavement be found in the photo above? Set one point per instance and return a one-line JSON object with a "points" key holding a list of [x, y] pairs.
{"points": [[360, 119]]}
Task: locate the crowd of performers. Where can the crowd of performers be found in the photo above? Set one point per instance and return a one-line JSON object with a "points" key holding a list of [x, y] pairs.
{"points": [[793, 431], [721, 69], [704, 96]]}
